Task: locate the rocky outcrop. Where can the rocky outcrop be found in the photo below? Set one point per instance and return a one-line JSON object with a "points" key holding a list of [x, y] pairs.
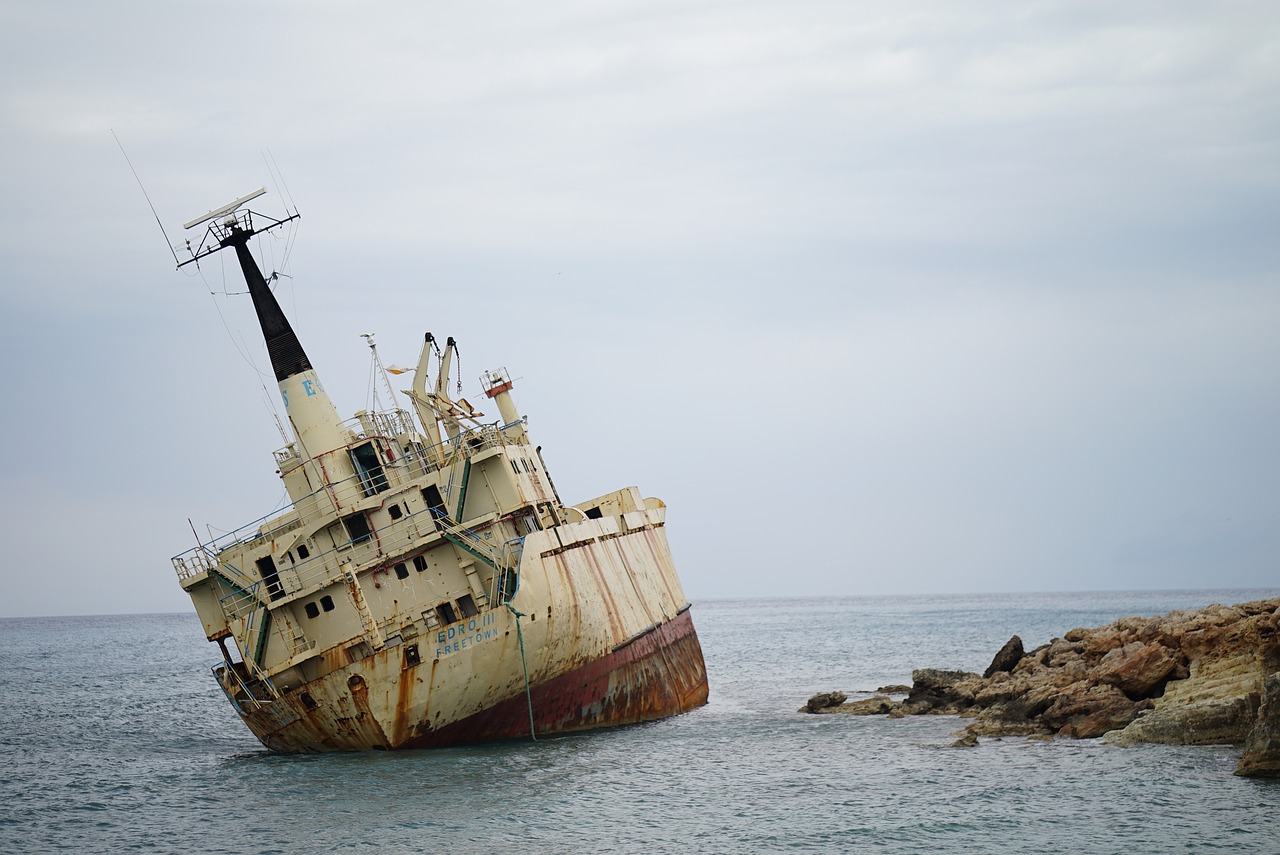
{"points": [[1220, 721], [1192, 677], [1261, 756], [1007, 658], [934, 691], [824, 701]]}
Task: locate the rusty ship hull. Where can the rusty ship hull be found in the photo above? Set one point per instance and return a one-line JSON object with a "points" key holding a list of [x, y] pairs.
{"points": [[596, 635], [426, 585], [650, 678]]}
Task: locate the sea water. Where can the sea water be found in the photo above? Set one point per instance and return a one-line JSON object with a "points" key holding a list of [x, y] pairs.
{"points": [[114, 737]]}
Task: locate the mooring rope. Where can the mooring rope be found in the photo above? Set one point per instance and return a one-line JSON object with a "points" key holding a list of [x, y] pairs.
{"points": [[527, 693]]}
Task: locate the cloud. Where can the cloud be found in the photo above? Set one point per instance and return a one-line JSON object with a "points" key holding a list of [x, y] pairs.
{"points": [[957, 298]]}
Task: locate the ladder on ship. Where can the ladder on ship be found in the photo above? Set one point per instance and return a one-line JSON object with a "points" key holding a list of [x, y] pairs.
{"points": [[503, 559]]}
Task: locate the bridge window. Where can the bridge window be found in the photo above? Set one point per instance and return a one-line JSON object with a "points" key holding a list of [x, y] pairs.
{"points": [[369, 468], [447, 615], [402, 572], [467, 605], [420, 563], [326, 603], [313, 611], [267, 570], [431, 495], [357, 526]]}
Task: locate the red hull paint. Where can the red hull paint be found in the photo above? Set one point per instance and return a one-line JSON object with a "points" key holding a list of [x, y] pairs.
{"points": [[657, 675]]}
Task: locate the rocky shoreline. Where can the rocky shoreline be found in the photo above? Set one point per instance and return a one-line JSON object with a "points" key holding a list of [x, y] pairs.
{"points": [[1206, 676]]}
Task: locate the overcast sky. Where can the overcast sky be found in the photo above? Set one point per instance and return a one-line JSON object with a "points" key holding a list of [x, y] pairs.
{"points": [[879, 297]]}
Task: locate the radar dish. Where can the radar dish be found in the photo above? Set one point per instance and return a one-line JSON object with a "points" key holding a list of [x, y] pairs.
{"points": [[225, 209]]}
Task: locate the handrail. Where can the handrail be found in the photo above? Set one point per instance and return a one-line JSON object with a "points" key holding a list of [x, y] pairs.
{"points": [[230, 691], [252, 610], [327, 567], [346, 491], [506, 579]]}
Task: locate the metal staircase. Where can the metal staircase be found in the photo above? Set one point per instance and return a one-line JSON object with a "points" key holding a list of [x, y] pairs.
{"points": [[503, 558]]}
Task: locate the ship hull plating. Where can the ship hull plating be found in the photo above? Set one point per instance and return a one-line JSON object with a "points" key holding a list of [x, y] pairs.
{"points": [[659, 674]]}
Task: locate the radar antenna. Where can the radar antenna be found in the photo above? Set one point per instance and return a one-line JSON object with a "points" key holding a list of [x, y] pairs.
{"points": [[234, 227], [226, 209]]}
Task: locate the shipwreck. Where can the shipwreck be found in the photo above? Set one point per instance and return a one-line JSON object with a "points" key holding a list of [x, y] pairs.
{"points": [[426, 585]]}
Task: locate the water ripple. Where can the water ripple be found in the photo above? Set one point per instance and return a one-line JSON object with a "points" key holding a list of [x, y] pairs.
{"points": [[113, 737]]}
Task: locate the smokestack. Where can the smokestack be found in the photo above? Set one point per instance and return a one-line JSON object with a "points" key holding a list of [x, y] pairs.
{"points": [[314, 418]]}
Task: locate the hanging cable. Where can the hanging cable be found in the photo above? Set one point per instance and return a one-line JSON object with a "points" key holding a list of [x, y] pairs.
{"points": [[458, 356], [528, 693]]}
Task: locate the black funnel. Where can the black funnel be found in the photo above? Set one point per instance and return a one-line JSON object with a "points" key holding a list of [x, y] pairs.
{"points": [[287, 356]]}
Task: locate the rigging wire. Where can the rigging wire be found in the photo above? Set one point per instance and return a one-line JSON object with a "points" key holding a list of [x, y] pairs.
{"points": [[172, 251], [287, 194], [242, 348], [269, 401], [277, 178], [283, 502]]}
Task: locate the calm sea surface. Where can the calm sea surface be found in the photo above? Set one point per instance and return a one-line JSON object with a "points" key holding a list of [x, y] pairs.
{"points": [[114, 737]]}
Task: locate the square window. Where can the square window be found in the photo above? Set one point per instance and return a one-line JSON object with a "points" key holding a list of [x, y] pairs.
{"points": [[357, 526]]}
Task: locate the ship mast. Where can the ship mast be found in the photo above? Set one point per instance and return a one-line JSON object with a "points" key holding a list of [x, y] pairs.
{"points": [[311, 413]]}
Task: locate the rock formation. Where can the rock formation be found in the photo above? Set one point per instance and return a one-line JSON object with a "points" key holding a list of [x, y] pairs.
{"points": [[1008, 657], [1191, 677], [1261, 757], [824, 701]]}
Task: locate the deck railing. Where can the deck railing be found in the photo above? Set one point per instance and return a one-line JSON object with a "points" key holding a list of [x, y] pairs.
{"points": [[343, 494]]}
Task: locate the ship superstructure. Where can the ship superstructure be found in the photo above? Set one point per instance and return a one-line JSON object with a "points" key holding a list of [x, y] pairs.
{"points": [[427, 586]]}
